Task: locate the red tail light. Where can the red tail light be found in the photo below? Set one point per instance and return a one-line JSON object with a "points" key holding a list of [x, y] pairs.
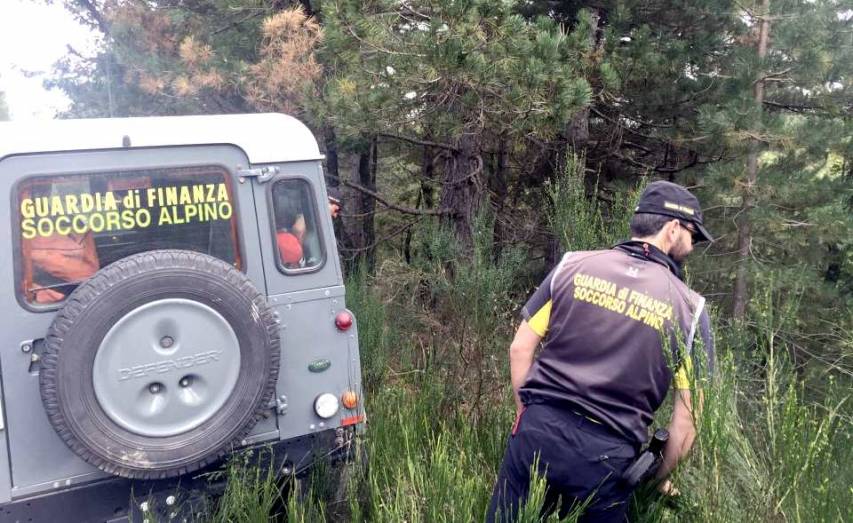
{"points": [[343, 321]]}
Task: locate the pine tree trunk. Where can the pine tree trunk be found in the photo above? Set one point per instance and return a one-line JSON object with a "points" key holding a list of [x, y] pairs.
{"points": [[368, 225], [499, 190], [741, 292], [460, 189], [427, 175], [365, 233], [425, 198]]}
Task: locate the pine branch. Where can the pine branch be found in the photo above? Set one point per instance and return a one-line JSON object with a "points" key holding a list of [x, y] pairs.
{"points": [[380, 48], [694, 161], [237, 22], [776, 77], [416, 141], [396, 207], [100, 21], [392, 234], [795, 108]]}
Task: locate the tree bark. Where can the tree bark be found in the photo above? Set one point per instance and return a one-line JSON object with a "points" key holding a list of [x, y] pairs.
{"points": [[460, 189], [361, 228], [499, 190], [427, 176], [368, 223], [741, 291]]}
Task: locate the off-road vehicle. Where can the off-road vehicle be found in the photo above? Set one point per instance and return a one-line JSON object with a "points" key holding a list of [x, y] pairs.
{"points": [[170, 293]]}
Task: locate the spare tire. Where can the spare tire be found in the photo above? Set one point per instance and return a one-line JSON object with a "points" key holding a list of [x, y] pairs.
{"points": [[159, 364]]}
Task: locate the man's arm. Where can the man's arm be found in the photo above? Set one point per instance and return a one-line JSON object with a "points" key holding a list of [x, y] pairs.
{"points": [[682, 428], [521, 352], [682, 432], [534, 327]]}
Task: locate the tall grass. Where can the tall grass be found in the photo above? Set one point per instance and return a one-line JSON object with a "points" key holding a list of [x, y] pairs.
{"points": [[434, 336], [581, 223], [763, 452]]}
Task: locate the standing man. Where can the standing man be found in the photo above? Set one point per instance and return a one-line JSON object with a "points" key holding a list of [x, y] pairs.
{"points": [[615, 323]]}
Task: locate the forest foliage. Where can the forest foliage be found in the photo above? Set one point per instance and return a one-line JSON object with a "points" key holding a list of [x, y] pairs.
{"points": [[433, 110], [477, 140]]}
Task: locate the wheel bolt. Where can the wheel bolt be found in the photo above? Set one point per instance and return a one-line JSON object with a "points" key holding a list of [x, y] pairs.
{"points": [[155, 388], [167, 341], [185, 382]]}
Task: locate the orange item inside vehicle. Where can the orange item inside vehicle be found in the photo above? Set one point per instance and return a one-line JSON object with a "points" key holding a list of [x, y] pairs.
{"points": [[70, 258], [289, 248]]}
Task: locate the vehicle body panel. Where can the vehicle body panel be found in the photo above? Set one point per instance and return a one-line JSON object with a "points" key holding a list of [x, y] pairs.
{"points": [[33, 458]]}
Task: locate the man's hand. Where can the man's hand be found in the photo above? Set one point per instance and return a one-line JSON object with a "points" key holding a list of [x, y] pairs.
{"points": [[666, 488], [521, 353]]}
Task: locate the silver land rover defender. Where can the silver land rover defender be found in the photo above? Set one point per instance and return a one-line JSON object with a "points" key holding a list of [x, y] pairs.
{"points": [[170, 292]]}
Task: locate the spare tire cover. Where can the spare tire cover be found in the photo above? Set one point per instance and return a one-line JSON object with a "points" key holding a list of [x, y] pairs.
{"points": [[159, 364]]}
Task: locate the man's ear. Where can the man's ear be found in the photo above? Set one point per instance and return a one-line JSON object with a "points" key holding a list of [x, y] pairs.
{"points": [[673, 229], [670, 234]]}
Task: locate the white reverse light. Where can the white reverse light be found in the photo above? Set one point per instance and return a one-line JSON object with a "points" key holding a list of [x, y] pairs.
{"points": [[326, 405]]}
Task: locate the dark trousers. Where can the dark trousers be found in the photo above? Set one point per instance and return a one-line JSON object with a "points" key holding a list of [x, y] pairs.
{"points": [[580, 460]]}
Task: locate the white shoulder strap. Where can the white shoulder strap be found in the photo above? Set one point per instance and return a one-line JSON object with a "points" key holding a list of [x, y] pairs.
{"points": [[560, 267]]}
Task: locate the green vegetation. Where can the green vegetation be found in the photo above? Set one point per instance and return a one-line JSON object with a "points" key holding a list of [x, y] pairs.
{"points": [[448, 124], [770, 448], [431, 110]]}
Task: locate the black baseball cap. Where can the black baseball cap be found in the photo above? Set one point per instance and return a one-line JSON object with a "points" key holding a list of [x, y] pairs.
{"points": [[334, 195], [671, 199]]}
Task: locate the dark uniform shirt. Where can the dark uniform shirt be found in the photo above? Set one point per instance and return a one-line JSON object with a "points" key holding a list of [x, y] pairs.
{"points": [[615, 323]]}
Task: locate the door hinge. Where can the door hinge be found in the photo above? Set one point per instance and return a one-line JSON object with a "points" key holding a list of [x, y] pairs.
{"points": [[263, 174]]}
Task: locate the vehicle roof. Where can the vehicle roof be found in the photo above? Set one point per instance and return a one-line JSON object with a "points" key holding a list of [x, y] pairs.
{"points": [[264, 137]]}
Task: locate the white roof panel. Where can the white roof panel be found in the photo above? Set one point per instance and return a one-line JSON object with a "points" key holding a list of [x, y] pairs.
{"points": [[265, 138]]}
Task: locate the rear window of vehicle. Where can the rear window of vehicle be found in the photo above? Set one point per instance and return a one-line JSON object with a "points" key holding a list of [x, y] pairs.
{"points": [[70, 226], [297, 231]]}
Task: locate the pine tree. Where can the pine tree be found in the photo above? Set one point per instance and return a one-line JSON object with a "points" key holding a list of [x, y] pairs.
{"points": [[440, 108], [462, 80], [785, 126]]}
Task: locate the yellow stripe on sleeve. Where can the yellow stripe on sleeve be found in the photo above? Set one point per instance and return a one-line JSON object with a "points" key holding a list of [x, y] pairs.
{"points": [[539, 321], [682, 377]]}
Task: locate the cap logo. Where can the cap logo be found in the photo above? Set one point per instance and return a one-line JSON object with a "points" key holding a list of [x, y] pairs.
{"points": [[680, 208]]}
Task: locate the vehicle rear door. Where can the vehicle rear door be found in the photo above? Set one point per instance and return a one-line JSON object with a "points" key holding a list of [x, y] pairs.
{"points": [[107, 204]]}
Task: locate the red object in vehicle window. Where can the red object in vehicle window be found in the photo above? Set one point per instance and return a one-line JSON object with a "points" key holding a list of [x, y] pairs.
{"points": [[289, 248]]}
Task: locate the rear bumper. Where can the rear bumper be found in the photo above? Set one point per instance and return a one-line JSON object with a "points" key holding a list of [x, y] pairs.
{"points": [[118, 499]]}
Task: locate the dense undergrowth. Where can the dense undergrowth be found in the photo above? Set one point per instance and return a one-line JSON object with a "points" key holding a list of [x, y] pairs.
{"points": [[774, 443]]}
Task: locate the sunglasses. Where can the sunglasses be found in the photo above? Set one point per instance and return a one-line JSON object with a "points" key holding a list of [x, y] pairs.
{"points": [[694, 233]]}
